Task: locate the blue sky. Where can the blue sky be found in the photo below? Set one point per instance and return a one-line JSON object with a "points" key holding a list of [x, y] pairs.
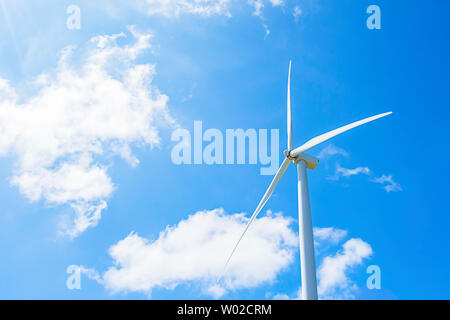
{"points": [[71, 130]]}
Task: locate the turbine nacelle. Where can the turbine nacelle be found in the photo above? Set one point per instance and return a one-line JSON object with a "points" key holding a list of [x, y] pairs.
{"points": [[311, 162]]}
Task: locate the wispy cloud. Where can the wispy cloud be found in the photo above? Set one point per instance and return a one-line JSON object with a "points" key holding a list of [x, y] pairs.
{"points": [[296, 12], [389, 184], [345, 172], [80, 112], [204, 8], [331, 150], [173, 8], [258, 6]]}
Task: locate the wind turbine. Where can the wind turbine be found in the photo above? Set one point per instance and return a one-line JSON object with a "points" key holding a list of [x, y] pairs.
{"points": [[303, 162]]}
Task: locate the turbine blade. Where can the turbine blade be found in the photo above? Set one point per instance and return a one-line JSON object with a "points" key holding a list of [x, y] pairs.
{"points": [[324, 137], [261, 204], [290, 134]]}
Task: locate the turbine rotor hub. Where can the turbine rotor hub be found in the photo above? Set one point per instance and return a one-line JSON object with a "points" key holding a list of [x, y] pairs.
{"points": [[311, 162], [287, 154]]}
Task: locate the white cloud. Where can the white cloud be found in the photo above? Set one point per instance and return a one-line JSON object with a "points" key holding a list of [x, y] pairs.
{"points": [[389, 184], [296, 12], [204, 8], [345, 172], [80, 111], [331, 150], [173, 8], [87, 214], [195, 250], [330, 235], [276, 3], [281, 296], [71, 182], [335, 267], [258, 5], [216, 291], [91, 274], [333, 271]]}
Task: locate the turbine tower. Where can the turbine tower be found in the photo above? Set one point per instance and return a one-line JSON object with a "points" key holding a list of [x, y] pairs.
{"points": [[303, 162]]}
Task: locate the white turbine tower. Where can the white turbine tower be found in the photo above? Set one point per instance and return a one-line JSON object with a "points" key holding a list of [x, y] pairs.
{"points": [[303, 162]]}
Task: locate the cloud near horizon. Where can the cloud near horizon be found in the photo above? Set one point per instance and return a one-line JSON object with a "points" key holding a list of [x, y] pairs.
{"points": [[195, 251], [335, 267]]}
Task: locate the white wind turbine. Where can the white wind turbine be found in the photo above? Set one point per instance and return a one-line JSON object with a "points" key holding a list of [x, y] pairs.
{"points": [[303, 162]]}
